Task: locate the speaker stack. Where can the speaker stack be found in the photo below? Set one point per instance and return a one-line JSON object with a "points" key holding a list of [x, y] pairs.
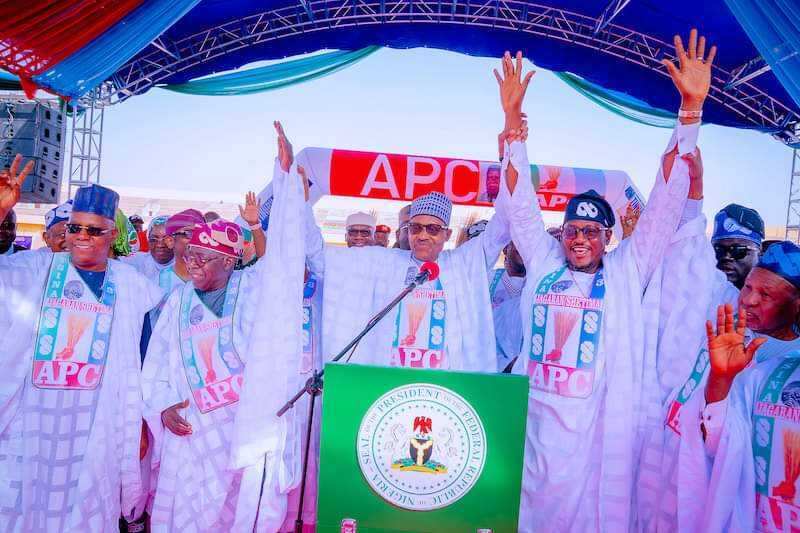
{"points": [[37, 130]]}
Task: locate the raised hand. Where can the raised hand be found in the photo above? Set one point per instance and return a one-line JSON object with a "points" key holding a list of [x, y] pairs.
{"points": [[174, 422], [692, 76], [302, 172], [251, 207], [512, 88], [695, 163], [144, 441], [727, 352], [10, 183], [285, 154], [628, 220]]}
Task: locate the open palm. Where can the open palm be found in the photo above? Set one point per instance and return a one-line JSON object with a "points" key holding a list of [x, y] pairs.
{"points": [[512, 84], [692, 76], [726, 348]]}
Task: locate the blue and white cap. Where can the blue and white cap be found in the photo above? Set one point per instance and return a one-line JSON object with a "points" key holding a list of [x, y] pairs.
{"points": [[738, 222], [783, 259], [434, 204], [59, 213]]}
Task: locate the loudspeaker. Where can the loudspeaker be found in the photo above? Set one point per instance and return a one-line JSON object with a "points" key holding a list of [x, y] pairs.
{"points": [[37, 130]]}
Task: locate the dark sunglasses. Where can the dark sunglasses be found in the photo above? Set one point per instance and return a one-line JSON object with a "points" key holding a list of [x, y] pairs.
{"points": [[590, 232], [186, 234], [91, 231], [359, 232], [736, 251], [431, 229]]}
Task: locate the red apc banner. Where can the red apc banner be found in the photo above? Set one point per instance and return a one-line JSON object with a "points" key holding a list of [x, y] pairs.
{"points": [[404, 177]]}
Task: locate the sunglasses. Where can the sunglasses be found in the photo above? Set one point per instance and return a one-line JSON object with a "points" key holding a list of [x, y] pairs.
{"points": [[359, 232], [91, 231], [186, 234], [737, 252], [431, 229], [200, 259], [590, 232]]}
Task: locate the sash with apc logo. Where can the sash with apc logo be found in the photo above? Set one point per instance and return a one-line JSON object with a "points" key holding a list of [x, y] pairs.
{"points": [[74, 329]]}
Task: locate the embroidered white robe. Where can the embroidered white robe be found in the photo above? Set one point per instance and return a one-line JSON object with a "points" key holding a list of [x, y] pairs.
{"points": [[235, 470], [361, 281], [581, 453], [69, 459]]}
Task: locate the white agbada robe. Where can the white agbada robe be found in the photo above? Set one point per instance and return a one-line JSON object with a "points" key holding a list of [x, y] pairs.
{"points": [[311, 362], [361, 281], [505, 292], [688, 288], [757, 462], [69, 458], [582, 446], [235, 470]]}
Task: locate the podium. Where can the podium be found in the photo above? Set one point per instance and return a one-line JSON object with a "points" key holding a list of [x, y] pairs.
{"points": [[407, 450]]}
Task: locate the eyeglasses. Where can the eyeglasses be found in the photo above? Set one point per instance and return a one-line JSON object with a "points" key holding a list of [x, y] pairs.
{"points": [[359, 232], [185, 234], [91, 231], [158, 240], [590, 232], [200, 259], [431, 229], [736, 251]]}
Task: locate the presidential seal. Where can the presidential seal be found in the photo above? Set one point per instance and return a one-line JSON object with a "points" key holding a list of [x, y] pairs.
{"points": [[421, 447]]}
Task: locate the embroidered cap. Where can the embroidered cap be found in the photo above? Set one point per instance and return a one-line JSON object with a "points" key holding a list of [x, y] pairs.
{"points": [[60, 213], [360, 219], [219, 236], [783, 259], [738, 222], [97, 200], [590, 206], [178, 221], [434, 204]]}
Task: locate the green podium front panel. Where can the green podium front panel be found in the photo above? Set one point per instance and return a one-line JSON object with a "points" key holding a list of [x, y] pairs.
{"points": [[406, 450]]}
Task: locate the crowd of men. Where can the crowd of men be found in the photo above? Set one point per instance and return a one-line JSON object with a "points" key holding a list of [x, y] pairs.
{"points": [[663, 368]]}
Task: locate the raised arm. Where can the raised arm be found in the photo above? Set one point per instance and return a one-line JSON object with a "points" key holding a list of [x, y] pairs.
{"points": [[249, 213], [661, 216], [11, 181], [517, 196]]}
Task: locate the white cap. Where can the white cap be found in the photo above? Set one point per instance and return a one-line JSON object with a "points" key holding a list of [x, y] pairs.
{"points": [[361, 219]]}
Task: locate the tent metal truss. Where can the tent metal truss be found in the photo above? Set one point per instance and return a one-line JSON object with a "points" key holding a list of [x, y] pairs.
{"points": [[793, 209], [86, 138], [164, 58]]}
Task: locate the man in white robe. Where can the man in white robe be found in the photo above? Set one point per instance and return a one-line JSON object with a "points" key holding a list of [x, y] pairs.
{"points": [[748, 407], [583, 325], [215, 381], [70, 396], [691, 288], [444, 324], [505, 290], [160, 254]]}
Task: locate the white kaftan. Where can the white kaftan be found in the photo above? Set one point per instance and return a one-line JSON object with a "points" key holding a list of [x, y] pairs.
{"points": [[70, 410], [451, 318], [585, 356], [236, 468]]}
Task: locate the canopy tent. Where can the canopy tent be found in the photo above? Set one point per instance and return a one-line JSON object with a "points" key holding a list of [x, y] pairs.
{"points": [[612, 44]]}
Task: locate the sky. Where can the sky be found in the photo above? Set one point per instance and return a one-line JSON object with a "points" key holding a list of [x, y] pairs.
{"points": [[419, 101]]}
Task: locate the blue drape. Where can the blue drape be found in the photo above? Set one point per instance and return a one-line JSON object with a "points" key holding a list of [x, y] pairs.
{"points": [[271, 77], [774, 27], [96, 62]]}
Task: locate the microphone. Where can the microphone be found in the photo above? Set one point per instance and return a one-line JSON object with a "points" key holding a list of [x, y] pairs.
{"points": [[428, 271]]}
